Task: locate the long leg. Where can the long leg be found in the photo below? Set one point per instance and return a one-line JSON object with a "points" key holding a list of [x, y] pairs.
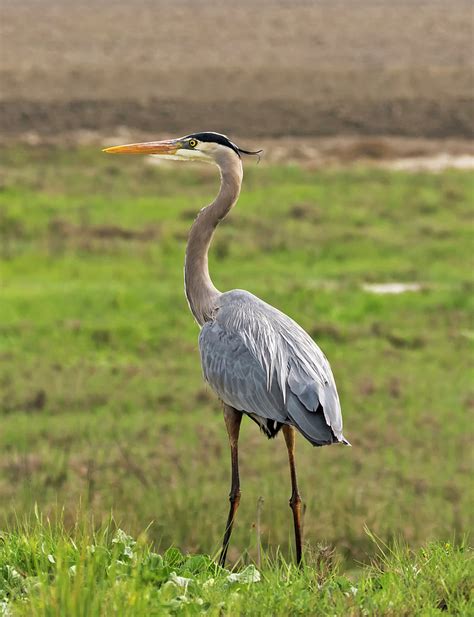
{"points": [[295, 499], [232, 419]]}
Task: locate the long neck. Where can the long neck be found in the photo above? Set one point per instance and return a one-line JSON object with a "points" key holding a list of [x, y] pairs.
{"points": [[200, 291]]}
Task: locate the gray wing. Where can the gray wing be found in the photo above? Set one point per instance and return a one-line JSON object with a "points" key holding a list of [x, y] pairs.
{"points": [[260, 361]]}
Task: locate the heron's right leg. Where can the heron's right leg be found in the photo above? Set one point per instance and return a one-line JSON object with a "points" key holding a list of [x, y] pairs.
{"points": [[295, 500], [232, 418]]}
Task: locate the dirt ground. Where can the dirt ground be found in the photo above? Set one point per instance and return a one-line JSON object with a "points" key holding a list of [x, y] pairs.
{"points": [[266, 69]]}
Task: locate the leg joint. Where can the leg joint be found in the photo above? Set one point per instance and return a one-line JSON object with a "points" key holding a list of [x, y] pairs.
{"points": [[295, 500], [234, 497]]}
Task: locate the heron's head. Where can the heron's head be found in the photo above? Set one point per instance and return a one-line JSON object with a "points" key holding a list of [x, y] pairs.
{"points": [[206, 147]]}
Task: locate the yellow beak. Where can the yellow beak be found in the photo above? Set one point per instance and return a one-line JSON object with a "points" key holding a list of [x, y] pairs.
{"points": [[168, 146]]}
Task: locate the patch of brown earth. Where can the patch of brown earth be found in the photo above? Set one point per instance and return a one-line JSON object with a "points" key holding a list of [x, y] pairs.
{"points": [[291, 67]]}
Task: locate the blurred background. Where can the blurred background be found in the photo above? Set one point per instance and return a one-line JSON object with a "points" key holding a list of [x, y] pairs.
{"points": [[357, 223], [282, 68]]}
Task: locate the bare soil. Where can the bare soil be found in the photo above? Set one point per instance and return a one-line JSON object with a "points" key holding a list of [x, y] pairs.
{"points": [[266, 69]]}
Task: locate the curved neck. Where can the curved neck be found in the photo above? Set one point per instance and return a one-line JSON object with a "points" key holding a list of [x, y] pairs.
{"points": [[200, 291]]}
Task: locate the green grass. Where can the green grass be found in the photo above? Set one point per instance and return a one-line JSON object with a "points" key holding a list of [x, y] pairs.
{"points": [[102, 401], [46, 571]]}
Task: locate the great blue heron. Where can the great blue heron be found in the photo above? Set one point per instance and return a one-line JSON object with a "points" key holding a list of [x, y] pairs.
{"points": [[258, 361]]}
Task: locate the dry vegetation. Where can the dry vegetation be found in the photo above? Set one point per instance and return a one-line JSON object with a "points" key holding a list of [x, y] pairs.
{"points": [[266, 69]]}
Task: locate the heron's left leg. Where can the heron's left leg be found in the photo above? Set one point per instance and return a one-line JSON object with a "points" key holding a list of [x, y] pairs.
{"points": [[295, 499], [232, 418]]}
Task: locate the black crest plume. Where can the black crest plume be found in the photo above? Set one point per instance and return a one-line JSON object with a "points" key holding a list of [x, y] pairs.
{"points": [[223, 140]]}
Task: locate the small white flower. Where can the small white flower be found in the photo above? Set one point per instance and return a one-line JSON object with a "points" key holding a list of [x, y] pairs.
{"points": [[123, 538], [209, 583], [4, 608], [12, 573], [128, 551]]}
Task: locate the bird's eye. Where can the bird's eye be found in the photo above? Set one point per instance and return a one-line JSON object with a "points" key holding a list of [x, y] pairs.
{"points": [[192, 143]]}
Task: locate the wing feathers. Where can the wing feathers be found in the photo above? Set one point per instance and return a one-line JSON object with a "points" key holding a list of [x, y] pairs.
{"points": [[259, 360]]}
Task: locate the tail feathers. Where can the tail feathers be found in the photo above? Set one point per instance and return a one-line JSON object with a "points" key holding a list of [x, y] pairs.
{"points": [[312, 424]]}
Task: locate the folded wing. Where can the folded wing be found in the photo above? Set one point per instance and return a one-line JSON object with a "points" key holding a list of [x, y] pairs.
{"points": [[260, 361]]}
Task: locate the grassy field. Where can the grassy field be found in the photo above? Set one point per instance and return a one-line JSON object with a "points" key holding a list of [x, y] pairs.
{"points": [[45, 571], [102, 403]]}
